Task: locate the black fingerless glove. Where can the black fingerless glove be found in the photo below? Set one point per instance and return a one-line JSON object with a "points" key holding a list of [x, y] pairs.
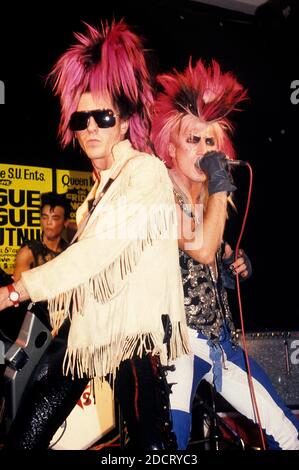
{"points": [[214, 164], [228, 278]]}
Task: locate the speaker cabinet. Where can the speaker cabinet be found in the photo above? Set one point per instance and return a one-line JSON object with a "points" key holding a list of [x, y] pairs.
{"points": [[277, 352]]}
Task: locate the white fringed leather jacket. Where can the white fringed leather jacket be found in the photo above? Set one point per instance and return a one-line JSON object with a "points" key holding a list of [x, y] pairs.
{"points": [[122, 274]]}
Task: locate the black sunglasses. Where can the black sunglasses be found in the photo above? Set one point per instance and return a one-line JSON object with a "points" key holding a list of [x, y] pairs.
{"points": [[103, 117]]}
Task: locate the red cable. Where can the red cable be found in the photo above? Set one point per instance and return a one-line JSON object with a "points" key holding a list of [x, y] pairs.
{"points": [[136, 397], [251, 387]]}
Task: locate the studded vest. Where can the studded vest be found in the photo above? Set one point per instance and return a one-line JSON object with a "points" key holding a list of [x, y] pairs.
{"points": [[205, 297]]}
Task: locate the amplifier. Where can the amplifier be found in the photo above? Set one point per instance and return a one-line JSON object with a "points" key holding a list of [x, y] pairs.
{"points": [[277, 352]]}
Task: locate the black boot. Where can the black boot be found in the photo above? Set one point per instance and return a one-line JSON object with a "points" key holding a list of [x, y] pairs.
{"points": [[143, 394]]}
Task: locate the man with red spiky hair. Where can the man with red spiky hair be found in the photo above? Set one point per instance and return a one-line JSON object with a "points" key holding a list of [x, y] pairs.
{"points": [[114, 283], [191, 134]]}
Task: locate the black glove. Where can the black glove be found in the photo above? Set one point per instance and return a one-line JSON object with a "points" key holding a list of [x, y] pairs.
{"points": [[227, 274], [214, 164]]}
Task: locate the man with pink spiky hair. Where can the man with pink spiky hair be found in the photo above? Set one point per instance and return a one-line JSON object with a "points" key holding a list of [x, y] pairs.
{"points": [[119, 285], [191, 133]]}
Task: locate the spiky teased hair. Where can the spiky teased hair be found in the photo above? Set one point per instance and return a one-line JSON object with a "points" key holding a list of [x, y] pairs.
{"points": [[109, 60], [203, 92]]}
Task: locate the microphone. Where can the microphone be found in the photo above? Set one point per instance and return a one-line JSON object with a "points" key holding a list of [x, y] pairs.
{"points": [[236, 162], [228, 161]]}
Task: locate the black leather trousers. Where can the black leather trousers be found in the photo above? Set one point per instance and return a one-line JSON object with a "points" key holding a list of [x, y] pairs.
{"points": [[49, 398]]}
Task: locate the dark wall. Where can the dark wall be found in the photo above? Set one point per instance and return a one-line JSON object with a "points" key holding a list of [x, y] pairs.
{"points": [[261, 50]]}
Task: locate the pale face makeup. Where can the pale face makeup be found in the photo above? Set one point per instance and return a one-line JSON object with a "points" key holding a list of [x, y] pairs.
{"points": [[194, 139]]}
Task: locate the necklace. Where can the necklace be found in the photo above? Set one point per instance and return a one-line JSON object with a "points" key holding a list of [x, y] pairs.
{"points": [[186, 207]]}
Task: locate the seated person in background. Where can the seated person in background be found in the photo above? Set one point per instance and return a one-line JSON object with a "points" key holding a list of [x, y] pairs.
{"points": [[55, 211]]}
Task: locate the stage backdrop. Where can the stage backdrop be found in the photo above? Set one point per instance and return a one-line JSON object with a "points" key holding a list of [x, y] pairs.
{"points": [[20, 190]]}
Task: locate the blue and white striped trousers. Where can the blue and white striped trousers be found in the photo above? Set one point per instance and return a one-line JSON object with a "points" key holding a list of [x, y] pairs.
{"points": [[280, 424]]}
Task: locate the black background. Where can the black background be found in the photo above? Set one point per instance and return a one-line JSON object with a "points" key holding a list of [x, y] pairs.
{"points": [[261, 49]]}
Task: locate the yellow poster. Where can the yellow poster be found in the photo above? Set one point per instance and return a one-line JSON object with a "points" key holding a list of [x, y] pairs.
{"points": [[20, 189], [76, 184]]}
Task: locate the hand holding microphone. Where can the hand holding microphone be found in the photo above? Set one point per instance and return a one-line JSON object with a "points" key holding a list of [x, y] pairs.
{"points": [[215, 165]]}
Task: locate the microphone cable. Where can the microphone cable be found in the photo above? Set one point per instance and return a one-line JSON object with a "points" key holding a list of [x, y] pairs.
{"points": [[244, 344]]}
